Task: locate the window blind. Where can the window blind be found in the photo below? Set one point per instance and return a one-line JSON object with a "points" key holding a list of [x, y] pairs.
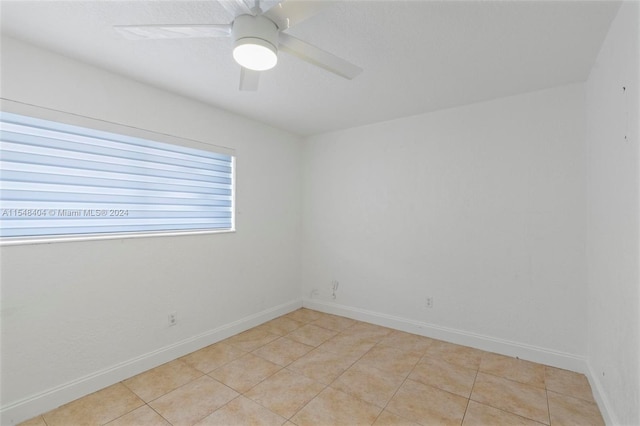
{"points": [[58, 180]]}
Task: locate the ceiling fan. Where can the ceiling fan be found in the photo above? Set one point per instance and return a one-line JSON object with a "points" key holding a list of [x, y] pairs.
{"points": [[257, 35]]}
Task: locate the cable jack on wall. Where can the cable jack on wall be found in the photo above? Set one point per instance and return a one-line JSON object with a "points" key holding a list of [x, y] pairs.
{"points": [[334, 286]]}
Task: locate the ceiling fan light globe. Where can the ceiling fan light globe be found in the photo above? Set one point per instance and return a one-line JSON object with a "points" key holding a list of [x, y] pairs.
{"points": [[255, 54]]}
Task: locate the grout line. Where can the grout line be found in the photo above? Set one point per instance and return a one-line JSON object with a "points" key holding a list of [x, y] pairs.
{"points": [[401, 385], [128, 412], [308, 402], [512, 380], [161, 416], [377, 343], [508, 412], [471, 392], [465, 411], [546, 394]]}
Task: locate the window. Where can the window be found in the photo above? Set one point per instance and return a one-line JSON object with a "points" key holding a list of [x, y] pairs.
{"points": [[63, 180]]}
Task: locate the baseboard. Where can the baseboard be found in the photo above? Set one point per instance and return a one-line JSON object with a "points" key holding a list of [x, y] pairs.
{"points": [[600, 397], [486, 343], [52, 398], [505, 347]]}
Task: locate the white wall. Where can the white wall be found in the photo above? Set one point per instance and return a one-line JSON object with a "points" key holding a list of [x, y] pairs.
{"points": [[72, 311], [480, 207], [613, 237]]}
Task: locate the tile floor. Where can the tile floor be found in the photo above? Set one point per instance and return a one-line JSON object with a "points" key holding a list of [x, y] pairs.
{"points": [[311, 368]]}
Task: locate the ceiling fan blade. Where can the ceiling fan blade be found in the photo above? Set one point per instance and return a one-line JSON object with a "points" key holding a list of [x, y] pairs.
{"points": [[288, 13], [316, 56], [249, 80], [144, 32], [235, 7]]}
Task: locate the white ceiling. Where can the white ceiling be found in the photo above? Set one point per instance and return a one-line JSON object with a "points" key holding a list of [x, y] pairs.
{"points": [[418, 56]]}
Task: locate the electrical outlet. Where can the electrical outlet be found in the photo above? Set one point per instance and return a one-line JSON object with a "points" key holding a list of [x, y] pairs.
{"points": [[428, 302], [173, 318]]}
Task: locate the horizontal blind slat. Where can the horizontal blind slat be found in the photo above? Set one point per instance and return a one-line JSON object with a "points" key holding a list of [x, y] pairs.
{"points": [[36, 232], [212, 205], [108, 149], [8, 167], [18, 152], [106, 200], [57, 179], [38, 127]]}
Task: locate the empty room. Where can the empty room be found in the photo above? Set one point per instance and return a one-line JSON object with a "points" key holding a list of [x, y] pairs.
{"points": [[239, 212]]}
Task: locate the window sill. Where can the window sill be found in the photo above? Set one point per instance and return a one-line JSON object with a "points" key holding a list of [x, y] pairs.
{"points": [[97, 237]]}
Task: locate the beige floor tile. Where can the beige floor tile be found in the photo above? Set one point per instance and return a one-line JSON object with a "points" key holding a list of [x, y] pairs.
{"points": [[213, 356], [390, 359], [97, 408], [311, 335], [407, 341], [336, 408], [282, 351], [364, 330], [281, 325], [251, 339], [369, 384], [334, 322], [389, 419], [455, 354], [322, 366], [517, 398], [449, 377], [304, 315], [143, 416], [519, 370], [285, 392], [245, 372], [483, 415], [348, 346], [160, 380], [569, 411], [36, 421], [427, 405], [193, 401], [242, 411], [568, 383], [341, 369]]}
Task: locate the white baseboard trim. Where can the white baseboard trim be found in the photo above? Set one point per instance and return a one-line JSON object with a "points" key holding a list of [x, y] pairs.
{"points": [[600, 397], [52, 398], [515, 349], [460, 337]]}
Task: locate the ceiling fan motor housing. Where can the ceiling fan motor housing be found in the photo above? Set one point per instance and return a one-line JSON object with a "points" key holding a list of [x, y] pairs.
{"points": [[253, 31]]}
